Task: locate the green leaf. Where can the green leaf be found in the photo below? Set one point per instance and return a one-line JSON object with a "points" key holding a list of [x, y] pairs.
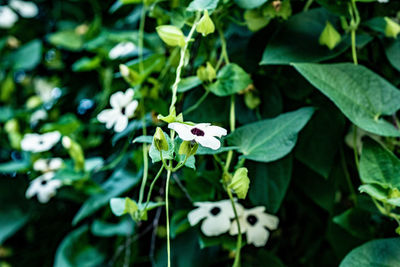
{"points": [[374, 191], [270, 139], [359, 93], [269, 183], [28, 56], [380, 252], [392, 50], [188, 83], [14, 166], [198, 5], [353, 220], [298, 40], [250, 4], [379, 166], [75, 250], [230, 80], [66, 39], [320, 140], [120, 206], [86, 64], [120, 181], [106, 229], [11, 220]]}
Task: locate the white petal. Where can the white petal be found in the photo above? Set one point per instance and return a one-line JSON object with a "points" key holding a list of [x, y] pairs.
{"points": [[7, 17], [268, 220], [30, 141], [234, 228], [40, 165], [196, 215], [257, 236], [117, 100], [25, 9], [215, 131], [33, 188], [108, 116], [208, 141], [216, 225], [55, 164], [183, 130], [121, 123], [130, 108], [52, 137]]}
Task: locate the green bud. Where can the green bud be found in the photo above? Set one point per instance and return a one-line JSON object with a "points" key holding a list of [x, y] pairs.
{"points": [[206, 74], [240, 183], [255, 20], [75, 152], [206, 25], [33, 102], [392, 28], [171, 117], [130, 76], [160, 142], [11, 126], [329, 36], [7, 88], [251, 100], [171, 35], [188, 148]]}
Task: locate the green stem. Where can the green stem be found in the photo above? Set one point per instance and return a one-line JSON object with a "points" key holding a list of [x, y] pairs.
{"points": [[307, 5], [353, 46], [152, 185], [197, 104], [355, 147], [232, 121], [224, 53], [167, 214], [347, 176], [182, 62], [145, 172], [236, 263], [141, 37]]}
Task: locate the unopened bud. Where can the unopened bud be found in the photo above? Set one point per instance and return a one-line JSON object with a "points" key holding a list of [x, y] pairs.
{"points": [[206, 25], [329, 36], [160, 142], [171, 35]]}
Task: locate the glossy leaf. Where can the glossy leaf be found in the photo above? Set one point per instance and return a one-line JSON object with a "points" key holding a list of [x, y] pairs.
{"points": [[359, 93]]}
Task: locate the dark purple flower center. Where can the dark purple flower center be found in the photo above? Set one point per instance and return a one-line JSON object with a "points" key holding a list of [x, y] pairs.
{"points": [[215, 211], [41, 142], [251, 219], [43, 182], [123, 110], [197, 132]]}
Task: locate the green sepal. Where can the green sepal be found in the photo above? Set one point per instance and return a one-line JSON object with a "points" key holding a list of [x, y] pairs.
{"points": [[329, 36], [188, 148], [392, 28], [240, 182], [206, 25], [171, 35], [160, 142]]}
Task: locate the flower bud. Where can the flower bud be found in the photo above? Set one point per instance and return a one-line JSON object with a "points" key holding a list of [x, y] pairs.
{"points": [[160, 142], [75, 152], [171, 117], [329, 36], [206, 74], [171, 35], [240, 183], [206, 25], [129, 75], [188, 148], [392, 28]]}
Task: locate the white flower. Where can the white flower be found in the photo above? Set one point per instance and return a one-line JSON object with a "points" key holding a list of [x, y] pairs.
{"points": [[47, 165], [44, 89], [202, 133], [217, 216], [123, 108], [122, 50], [7, 17], [25, 9], [253, 222], [383, 1], [40, 142], [44, 186]]}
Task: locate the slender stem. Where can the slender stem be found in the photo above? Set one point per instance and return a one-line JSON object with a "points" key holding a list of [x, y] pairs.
{"points": [[232, 121], [307, 5], [236, 263], [152, 185], [141, 37], [353, 46], [145, 172], [167, 214], [224, 53], [347, 176], [182, 62], [197, 104], [355, 147]]}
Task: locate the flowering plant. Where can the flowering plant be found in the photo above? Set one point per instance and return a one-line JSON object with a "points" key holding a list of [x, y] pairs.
{"points": [[199, 133]]}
